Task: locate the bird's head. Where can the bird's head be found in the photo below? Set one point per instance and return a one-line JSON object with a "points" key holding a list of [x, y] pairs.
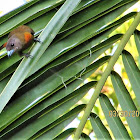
{"points": [[13, 45]]}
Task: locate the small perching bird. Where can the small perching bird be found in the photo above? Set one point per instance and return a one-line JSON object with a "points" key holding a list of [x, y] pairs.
{"points": [[19, 40]]}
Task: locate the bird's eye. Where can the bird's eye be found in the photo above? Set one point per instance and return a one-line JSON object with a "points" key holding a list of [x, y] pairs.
{"points": [[12, 45]]}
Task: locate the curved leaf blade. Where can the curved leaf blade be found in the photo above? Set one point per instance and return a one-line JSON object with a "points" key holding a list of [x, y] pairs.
{"points": [[114, 122], [17, 10], [133, 73], [65, 134], [126, 103], [98, 127]]}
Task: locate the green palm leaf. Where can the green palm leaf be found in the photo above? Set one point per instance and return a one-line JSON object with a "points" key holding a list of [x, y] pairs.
{"points": [[47, 87]]}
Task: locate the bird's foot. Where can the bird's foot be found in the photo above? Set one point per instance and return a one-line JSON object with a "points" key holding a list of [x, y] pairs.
{"points": [[37, 40], [27, 55]]}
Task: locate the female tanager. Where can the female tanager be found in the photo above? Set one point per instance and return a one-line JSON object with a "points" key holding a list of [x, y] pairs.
{"points": [[18, 40]]}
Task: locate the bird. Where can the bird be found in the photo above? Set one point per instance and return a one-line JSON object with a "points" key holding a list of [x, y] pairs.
{"points": [[19, 40]]}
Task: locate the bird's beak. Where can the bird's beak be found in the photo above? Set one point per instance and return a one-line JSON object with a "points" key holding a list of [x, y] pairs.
{"points": [[9, 53]]}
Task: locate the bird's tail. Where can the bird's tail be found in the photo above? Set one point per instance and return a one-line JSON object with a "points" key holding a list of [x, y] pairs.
{"points": [[3, 46]]}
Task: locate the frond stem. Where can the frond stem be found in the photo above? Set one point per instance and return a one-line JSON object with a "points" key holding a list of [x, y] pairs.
{"points": [[105, 75]]}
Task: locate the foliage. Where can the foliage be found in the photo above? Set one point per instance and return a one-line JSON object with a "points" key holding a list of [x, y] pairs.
{"points": [[50, 90]]}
